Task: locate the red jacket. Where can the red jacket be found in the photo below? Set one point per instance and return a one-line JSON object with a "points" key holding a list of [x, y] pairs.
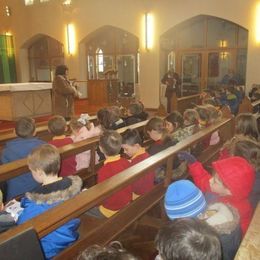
{"points": [[238, 176], [68, 165], [121, 198], [146, 183]]}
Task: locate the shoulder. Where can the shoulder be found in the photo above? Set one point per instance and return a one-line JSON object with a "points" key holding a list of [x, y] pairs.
{"points": [[56, 192]]}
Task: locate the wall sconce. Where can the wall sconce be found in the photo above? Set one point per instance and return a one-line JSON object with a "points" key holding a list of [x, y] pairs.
{"points": [[257, 24], [223, 55], [71, 39], [222, 44], [7, 10], [148, 31]]}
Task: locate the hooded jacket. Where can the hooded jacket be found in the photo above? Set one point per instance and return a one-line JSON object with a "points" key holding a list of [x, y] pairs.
{"points": [[225, 220], [14, 150], [46, 197], [238, 176]]}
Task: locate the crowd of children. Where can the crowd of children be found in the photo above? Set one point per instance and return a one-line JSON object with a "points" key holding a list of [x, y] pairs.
{"points": [[223, 199]]}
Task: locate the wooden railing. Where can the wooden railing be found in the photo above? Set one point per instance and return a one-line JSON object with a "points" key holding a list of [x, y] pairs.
{"points": [[101, 233], [250, 246]]}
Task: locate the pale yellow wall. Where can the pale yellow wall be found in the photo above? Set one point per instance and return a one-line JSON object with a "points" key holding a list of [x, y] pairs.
{"points": [[89, 15]]}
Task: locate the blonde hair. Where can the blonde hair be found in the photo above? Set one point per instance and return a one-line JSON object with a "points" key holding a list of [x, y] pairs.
{"points": [[45, 157]]}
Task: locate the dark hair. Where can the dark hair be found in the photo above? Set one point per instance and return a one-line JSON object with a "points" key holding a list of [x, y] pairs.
{"points": [[61, 70], [25, 127], [131, 137], [188, 239], [249, 150], [134, 108], [110, 252], [103, 116], [176, 119], [45, 157], [57, 125], [246, 124], [203, 113], [110, 142]]}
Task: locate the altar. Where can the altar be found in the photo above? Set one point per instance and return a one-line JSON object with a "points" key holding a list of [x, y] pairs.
{"points": [[25, 99]]}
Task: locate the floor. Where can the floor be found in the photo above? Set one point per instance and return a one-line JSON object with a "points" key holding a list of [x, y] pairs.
{"points": [[81, 106]]}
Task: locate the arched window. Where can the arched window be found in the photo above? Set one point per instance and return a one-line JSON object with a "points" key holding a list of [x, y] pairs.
{"points": [[100, 60], [44, 55]]}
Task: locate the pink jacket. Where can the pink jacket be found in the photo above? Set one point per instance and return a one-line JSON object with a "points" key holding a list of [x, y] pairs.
{"points": [[83, 159]]}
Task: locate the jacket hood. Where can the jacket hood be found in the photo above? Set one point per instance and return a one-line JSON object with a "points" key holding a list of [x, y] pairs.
{"points": [[226, 218], [56, 192], [237, 175]]}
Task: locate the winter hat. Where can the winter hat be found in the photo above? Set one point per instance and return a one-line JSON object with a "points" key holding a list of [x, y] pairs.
{"points": [[183, 199], [236, 174]]}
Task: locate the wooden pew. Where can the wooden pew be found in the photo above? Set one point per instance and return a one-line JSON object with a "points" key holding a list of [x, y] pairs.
{"points": [[16, 168], [41, 132], [110, 228], [247, 106], [250, 246]]}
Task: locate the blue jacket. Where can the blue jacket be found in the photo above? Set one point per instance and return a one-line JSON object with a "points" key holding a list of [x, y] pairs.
{"points": [[46, 197], [14, 150]]}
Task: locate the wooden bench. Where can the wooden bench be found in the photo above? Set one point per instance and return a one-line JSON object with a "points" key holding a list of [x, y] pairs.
{"points": [[250, 246], [109, 229], [18, 167], [41, 132]]}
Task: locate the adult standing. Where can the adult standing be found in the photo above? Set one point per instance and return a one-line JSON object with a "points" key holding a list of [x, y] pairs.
{"points": [[172, 81], [63, 93]]}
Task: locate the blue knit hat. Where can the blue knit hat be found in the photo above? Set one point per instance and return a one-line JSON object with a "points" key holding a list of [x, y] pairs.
{"points": [[183, 199]]}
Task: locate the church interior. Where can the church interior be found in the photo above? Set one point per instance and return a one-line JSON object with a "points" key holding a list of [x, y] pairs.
{"points": [[164, 59]]}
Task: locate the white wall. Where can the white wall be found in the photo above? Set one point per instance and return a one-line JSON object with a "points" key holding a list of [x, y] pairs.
{"points": [[50, 18]]}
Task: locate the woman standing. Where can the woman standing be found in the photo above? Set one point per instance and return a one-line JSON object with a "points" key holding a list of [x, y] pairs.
{"points": [[63, 93]]}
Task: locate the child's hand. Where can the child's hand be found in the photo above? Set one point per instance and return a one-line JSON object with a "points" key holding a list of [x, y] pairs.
{"points": [[186, 156]]}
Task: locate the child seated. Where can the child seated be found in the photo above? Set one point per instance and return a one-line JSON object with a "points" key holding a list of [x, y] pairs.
{"points": [[157, 132], [57, 126], [19, 148], [184, 200], [174, 124], [83, 129], [44, 162], [188, 239], [132, 145], [191, 119], [133, 111], [231, 183], [6, 219], [245, 127], [110, 144], [250, 150]]}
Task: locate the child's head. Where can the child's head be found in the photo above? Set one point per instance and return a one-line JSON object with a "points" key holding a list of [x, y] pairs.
{"points": [[214, 113], [203, 115], [110, 143], [103, 116], [114, 113], [246, 124], [183, 199], [77, 123], [25, 127], [234, 176], [155, 129], [131, 142], [249, 150], [111, 252], [134, 109], [44, 161], [173, 121], [57, 125], [188, 239], [191, 117]]}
